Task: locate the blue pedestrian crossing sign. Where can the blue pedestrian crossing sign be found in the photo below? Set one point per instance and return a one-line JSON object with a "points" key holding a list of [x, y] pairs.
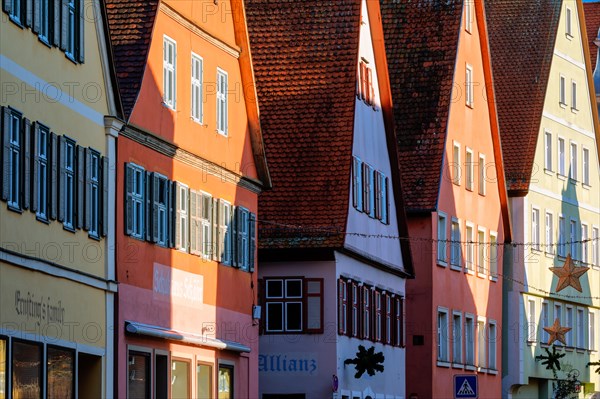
{"points": [[465, 386]]}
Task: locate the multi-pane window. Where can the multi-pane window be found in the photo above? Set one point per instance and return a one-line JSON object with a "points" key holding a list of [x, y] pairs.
{"points": [[388, 319], [16, 10], [455, 249], [469, 86], [378, 315], [357, 183], [44, 20], [366, 312], [135, 189], [226, 383], [354, 312], [182, 214], [481, 344], [573, 166], [481, 266], [227, 232], [41, 159], [574, 95], [367, 186], [584, 243], [442, 335], [531, 322], [206, 219], [12, 160], [494, 255], [222, 102], [293, 305], [558, 316], [342, 307], [370, 190], [561, 157], [469, 340], [468, 15], [580, 328], [365, 89], [595, 246], [469, 170], [441, 236], [562, 90], [470, 249], [573, 238], [569, 324], [591, 330], [481, 169], [586, 166], [545, 321], [160, 209], [456, 166], [71, 28], [169, 72], [381, 197], [548, 150], [197, 101], [398, 322], [562, 247], [492, 339], [68, 181], [243, 255], [457, 338], [535, 229], [568, 22], [549, 233], [93, 192]]}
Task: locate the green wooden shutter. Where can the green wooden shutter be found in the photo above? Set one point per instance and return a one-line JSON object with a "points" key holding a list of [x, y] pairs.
{"points": [[26, 163], [35, 148]]}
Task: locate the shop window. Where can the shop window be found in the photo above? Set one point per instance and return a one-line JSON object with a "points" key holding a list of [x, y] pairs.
{"points": [[161, 376], [3, 367], [226, 382], [26, 370], [60, 373], [180, 379], [203, 381], [138, 372]]}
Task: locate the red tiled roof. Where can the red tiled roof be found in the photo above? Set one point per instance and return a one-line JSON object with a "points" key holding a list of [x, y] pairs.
{"points": [[592, 23], [305, 58], [421, 39], [130, 26], [522, 35]]}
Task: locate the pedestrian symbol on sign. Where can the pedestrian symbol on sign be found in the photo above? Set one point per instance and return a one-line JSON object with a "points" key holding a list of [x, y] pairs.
{"points": [[465, 386]]}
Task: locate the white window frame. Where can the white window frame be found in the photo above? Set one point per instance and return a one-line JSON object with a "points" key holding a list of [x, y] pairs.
{"points": [[493, 347], [222, 102], [580, 322], [482, 343], [574, 161], [595, 246], [562, 156], [71, 29], [457, 338], [138, 201], [197, 99], [243, 236], [545, 321], [162, 213], [562, 236], [70, 188], [456, 165], [531, 320], [470, 346], [41, 179], [468, 16], [573, 95], [482, 187], [44, 29], [470, 248], [585, 160], [443, 355], [357, 183], [206, 223], [562, 93], [549, 232], [573, 238], [183, 212], [568, 23], [95, 173], [16, 11], [227, 217], [585, 255], [469, 86], [558, 308], [469, 165], [455, 246], [442, 237], [494, 255], [482, 258], [591, 330], [535, 228], [548, 150], [169, 73], [569, 320], [14, 164]]}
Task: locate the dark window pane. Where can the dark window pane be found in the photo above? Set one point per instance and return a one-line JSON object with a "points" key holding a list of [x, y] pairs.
{"points": [[61, 366], [293, 288], [275, 316], [139, 373], [26, 370], [293, 313], [274, 289]]}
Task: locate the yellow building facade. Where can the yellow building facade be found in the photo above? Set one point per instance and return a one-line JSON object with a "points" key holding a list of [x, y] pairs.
{"points": [[57, 280]]}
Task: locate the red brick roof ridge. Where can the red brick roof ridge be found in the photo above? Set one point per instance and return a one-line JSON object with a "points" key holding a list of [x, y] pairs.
{"points": [[592, 22]]}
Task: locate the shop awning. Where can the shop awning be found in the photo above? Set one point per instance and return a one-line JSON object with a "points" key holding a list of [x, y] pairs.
{"points": [[187, 338]]}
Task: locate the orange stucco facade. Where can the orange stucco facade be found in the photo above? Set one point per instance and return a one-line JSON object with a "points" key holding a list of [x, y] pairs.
{"points": [[447, 291], [215, 299]]}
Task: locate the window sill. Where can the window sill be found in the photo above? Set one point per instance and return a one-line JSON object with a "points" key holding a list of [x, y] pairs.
{"points": [[469, 188], [43, 219], [494, 279], [492, 371], [569, 36], [95, 237], [456, 268], [469, 367], [16, 21], [562, 105], [549, 172], [581, 350], [441, 263], [71, 58], [441, 363], [586, 186], [574, 110], [68, 228], [471, 272], [482, 370], [224, 134], [458, 366], [44, 41], [531, 343], [573, 181], [481, 275], [569, 349], [549, 254], [470, 105], [14, 208], [561, 176], [537, 250]]}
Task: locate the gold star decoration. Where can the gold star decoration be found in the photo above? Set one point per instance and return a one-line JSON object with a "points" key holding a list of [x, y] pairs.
{"points": [[557, 333], [568, 275]]}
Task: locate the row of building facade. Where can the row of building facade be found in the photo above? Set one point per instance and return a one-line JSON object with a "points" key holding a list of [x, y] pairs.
{"points": [[228, 199]]}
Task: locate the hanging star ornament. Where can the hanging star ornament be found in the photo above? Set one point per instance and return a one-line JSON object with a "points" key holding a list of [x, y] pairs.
{"points": [[569, 275], [557, 333]]}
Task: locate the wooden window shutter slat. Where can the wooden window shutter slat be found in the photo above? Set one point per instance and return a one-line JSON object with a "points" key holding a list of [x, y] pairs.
{"points": [[222, 227], [103, 218], [215, 247], [28, 13], [234, 237], [176, 218], [7, 6], [26, 160], [81, 34], [53, 179], [36, 16], [128, 199], [5, 152], [170, 213], [239, 243], [62, 143], [56, 22], [35, 149], [252, 242], [82, 188], [194, 223], [149, 206], [64, 24]]}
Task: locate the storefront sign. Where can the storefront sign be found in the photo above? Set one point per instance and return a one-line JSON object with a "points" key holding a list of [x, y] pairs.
{"points": [[41, 309], [176, 286], [288, 363]]}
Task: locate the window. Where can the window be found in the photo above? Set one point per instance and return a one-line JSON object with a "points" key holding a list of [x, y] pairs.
{"points": [[548, 150], [573, 166], [26, 369], [197, 100], [531, 322], [342, 307], [71, 29], [442, 335], [569, 324], [381, 197], [545, 322], [40, 171], [293, 305], [134, 181], [492, 339], [226, 232], [60, 373], [591, 330], [441, 236], [481, 344], [222, 102], [568, 23], [481, 266], [469, 169], [595, 247], [586, 166], [561, 157], [93, 192], [468, 15], [44, 22], [456, 167], [455, 249], [573, 95], [15, 10], [549, 233], [456, 337], [203, 381], [169, 72], [366, 312], [573, 238], [226, 382], [398, 321], [562, 249], [469, 340], [580, 329], [206, 220], [243, 252], [481, 174], [180, 379], [562, 90], [354, 314], [584, 244], [368, 192], [558, 316], [160, 209], [12, 158], [494, 255], [67, 182], [378, 315], [470, 249], [388, 318], [181, 216], [3, 367], [469, 86], [535, 229], [357, 181], [365, 89]]}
